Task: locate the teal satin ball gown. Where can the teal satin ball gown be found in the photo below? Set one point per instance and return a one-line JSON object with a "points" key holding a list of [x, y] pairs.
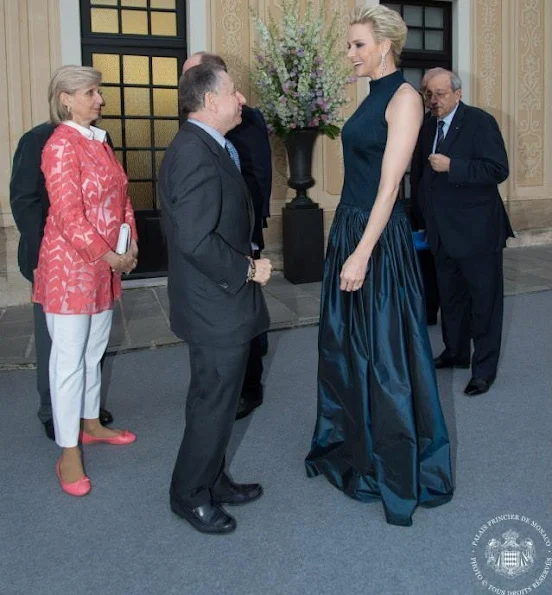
{"points": [[380, 432]]}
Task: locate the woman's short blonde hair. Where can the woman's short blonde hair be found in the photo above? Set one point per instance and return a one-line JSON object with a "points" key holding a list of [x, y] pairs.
{"points": [[386, 24], [69, 79]]}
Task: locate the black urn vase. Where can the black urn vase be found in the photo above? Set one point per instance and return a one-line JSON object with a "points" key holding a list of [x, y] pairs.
{"points": [[299, 147], [302, 218]]}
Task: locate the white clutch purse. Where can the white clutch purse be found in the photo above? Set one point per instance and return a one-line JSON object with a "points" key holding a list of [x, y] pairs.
{"points": [[123, 243]]}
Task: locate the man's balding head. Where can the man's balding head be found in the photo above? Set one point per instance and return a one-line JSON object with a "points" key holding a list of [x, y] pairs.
{"points": [[203, 58], [429, 74]]}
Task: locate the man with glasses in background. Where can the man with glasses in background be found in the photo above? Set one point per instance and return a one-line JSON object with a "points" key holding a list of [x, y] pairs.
{"points": [[458, 163], [425, 258]]}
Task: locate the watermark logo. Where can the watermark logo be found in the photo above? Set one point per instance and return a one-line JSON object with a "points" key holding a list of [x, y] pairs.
{"points": [[510, 558], [511, 555]]}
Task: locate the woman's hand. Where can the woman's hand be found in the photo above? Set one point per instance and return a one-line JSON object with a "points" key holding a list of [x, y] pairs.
{"points": [[120, 263], [353, 272], [134, 251]]}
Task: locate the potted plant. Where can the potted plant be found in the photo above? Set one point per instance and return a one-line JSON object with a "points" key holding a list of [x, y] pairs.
{"points": [[300, 77]]}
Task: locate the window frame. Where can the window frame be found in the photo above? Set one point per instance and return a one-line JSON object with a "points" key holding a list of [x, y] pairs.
{"points": [[153, 251], [136, 45], [426, 59], [177, 42]]}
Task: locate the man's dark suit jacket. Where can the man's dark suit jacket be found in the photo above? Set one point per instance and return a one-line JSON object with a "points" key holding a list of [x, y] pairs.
{"points": [[28, 196], [208, 220], [462, 208], [251, 140]]}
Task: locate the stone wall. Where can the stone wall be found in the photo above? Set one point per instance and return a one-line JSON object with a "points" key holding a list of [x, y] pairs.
{"points": [[28, 57], [512, 51]]}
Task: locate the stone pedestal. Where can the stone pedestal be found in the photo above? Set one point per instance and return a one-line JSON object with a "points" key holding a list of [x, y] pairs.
{"points": [[303, 242]]}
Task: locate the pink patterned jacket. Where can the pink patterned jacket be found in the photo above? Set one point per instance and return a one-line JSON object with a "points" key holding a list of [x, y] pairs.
{"points": [[87, 188]]}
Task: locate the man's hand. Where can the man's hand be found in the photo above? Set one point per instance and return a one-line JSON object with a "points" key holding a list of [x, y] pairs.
{"points": [[263, 271], [353, 273], [439, 163]]}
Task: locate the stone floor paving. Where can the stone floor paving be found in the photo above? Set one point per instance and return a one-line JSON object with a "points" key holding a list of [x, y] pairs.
{"points": [[141, 319]]}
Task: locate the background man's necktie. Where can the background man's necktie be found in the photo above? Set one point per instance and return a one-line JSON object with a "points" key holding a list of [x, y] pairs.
{"points": [[233, 152], [440, 135]]}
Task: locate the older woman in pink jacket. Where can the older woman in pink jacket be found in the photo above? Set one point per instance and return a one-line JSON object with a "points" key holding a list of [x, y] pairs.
{"points": [[78, 274]]}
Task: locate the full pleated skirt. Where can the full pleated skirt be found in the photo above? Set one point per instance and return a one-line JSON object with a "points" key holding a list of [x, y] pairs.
{"points": [[380, 431]]}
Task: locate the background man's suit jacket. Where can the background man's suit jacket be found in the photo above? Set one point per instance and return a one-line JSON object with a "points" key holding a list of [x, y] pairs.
{"points": [[208, 220], [28, 196], [462, 208], [251, 140]]}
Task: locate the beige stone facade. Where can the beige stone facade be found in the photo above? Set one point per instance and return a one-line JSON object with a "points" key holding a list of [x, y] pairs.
{"points": [[511, 53], [511, 50], [29, 55]]}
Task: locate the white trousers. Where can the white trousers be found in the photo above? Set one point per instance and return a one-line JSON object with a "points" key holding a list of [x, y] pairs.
{"points": [[78, 344]]}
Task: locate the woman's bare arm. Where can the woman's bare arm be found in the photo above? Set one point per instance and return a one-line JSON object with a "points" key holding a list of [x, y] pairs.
{"points": [[404, 117]]}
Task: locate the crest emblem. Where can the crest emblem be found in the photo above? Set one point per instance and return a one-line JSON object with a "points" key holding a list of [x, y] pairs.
{"points": [[510, 558]]}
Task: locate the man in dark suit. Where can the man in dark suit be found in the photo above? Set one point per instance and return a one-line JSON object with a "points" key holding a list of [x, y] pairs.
{"points": [[459, 160], [29, 204], [425, 258], [250, 138], [251, 141], [214, 287]]}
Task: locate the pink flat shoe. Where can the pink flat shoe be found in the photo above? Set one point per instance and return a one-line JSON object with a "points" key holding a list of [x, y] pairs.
{"points": [[81, 487], [125, 437]]}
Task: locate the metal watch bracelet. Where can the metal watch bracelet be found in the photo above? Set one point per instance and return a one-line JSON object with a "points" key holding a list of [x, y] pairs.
{"points": [[252, 269]]}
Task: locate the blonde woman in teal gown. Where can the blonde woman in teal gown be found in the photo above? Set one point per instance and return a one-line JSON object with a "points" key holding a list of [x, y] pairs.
{"points": [[380, 432]]}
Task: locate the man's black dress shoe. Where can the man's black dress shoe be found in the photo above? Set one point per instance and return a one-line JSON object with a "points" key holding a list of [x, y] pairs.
{"points": [[105, 417], [477, 386], [49, 428], [249, 402], [238, 493], [209, 518], [445, 361]]}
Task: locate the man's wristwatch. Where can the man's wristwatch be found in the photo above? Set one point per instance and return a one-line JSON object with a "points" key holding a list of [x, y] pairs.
{"points": [[252, 270]]}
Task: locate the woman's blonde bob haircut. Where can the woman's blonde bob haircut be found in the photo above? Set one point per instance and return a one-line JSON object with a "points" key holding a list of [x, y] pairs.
{"points": [[386, 24], [69, 79]]}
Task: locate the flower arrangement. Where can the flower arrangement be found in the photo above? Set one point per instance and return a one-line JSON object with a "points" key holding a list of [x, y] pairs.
{"points": [[299, 75]]}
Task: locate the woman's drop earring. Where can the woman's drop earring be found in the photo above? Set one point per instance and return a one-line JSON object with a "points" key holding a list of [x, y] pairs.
{"points": [[383, 64]]}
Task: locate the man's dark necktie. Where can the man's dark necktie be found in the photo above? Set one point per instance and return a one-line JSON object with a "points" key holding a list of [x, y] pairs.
{"points": [[233, 152], [440, 135]]}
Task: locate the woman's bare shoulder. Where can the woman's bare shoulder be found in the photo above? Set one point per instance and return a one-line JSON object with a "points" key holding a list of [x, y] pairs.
{"points": [[405, 103], [407, 93]]}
